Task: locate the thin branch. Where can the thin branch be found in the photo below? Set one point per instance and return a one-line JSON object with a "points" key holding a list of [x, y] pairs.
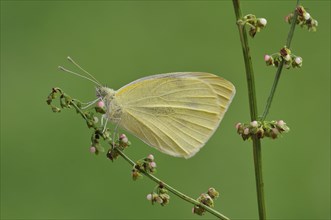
{"points": [[173, 190], [280, 67], [73, 103]]}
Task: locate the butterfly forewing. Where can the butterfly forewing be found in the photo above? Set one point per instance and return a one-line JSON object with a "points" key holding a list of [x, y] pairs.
{"points": [[176, 112]]}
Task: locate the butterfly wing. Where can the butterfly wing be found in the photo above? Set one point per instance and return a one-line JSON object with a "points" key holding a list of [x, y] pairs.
{"points": [[175, 112]]}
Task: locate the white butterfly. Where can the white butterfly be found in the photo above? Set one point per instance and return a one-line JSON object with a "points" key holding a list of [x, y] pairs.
{"points": [[174, 112]]}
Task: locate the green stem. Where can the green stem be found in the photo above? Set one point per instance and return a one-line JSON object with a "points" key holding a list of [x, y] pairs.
{"points": [[152, 177], [248, 62], [280, 67], [257, 154], [173, 190], [253, 111]]}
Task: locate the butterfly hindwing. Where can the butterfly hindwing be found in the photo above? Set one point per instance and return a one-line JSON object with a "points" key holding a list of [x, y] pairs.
{"points": [[177, 112]]}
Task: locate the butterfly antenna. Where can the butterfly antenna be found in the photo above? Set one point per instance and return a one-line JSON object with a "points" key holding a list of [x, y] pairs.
{"points": [[69, 71], [79, 67]]}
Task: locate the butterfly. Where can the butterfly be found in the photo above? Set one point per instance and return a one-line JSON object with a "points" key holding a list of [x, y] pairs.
{"points": [[176, 113]]}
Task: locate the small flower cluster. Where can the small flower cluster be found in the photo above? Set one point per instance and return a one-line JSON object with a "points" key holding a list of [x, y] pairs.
{"points": [[96, 147], [290, 60], [64, 99], [91, 120], [255, 24], [304, 20], [122, 143], [67, 102], [160, 196], [206, 199], [261, 129], [146, 164], [135, 174]]}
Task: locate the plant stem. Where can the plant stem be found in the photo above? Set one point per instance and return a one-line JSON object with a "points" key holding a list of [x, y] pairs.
{"points": [[173, 190], [281, 65], [120, 152], [257, 154], [248, 62]]}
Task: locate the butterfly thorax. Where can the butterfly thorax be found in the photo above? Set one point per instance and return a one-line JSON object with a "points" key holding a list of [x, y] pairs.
{"points": [[113, 109]]}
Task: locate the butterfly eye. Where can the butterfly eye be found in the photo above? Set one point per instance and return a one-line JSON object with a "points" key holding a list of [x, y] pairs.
{"points": [[98, 92]]}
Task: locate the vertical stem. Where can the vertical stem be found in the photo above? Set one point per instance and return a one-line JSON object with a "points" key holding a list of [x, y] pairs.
{"points": [[248, 62], [253, 111], [257, 153]]}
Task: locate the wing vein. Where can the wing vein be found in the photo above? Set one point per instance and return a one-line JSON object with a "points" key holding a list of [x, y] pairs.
{"points": [[187, 134], [166, 134], [172, 92]]}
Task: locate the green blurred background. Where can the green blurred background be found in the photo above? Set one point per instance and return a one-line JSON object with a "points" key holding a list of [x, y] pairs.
{"points": [[47, 171]]}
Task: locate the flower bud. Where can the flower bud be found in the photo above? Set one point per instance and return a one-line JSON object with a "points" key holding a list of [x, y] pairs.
{"points": [[285, 51], [101, 104], [150, 157], [262, 22], [124, 138], [163, 190], [288, 18], [110, 155], [260, 133], [152, 164], [198, 210], [267, 57], [274, 133], [254, 124], [159, 199], [298, 60], [55, 109], [246, 131], [287, 57], [238, 125], [165, 199], [287, 64], [93, 149], [252, 31], [282, 127], [135, 174], [149, 197], [300, 10], [280, 123], [306, 16], [95, 119], [206, 199], [314, 22], [213, 193], [49, 100]]}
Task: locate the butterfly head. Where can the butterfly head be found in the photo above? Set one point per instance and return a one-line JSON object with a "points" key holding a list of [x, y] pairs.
{"points": [[104, 92]]}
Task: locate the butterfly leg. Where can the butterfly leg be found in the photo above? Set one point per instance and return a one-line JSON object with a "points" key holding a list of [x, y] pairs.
{"points": [[90, 103], [102, 118], [105, 126], [115, 131]]}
